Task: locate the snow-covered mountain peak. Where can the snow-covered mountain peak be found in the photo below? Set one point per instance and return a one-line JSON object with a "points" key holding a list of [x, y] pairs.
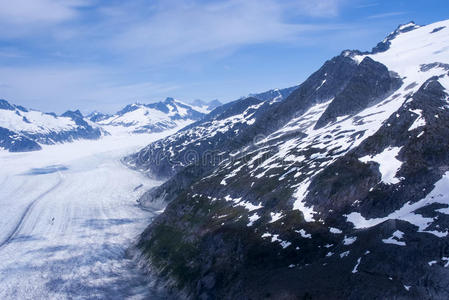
{"points": [[73, 114], [169, 100], [153, 117], [414, 48], [204, 106], [407, 27], [6, 105], [385, 44]]}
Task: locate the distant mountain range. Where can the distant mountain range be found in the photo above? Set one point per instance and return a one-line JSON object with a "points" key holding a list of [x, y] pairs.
{"points": [[154, 117], [339, 191], [168, 114], [23, 129]]}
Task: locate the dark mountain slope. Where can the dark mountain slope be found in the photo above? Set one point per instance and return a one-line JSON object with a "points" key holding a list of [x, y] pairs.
{"points": [[14, 142], [195, 150], [222, 236], [344, 195]]}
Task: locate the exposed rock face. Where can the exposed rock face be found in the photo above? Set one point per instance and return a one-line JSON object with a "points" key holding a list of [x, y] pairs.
{"points": [[371, 84], [275, 94], [344, 195]]}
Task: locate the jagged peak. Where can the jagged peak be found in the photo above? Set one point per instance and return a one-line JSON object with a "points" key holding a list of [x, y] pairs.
{"points": [[407, 27], [6, 105], [385, 44], [73, 113], [169, 100], [215, 103], [402, 28]]}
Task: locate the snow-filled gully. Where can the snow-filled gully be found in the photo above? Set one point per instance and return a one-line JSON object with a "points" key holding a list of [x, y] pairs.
{"points": [[65, 230]]}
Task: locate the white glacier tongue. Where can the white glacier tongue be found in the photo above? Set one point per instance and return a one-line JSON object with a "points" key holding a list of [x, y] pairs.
{"points": [[68, 214]]}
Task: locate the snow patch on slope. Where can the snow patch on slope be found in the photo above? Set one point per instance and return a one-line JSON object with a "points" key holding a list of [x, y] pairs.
{"points": [[389, 165], [440, 194], [395, 239]]}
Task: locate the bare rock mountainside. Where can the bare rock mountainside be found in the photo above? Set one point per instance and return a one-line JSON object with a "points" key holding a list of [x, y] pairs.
{"points": [[340, 190], [23, 129]]}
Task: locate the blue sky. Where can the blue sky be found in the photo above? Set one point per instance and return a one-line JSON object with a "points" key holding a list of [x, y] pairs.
{"points": [[65, 54]]}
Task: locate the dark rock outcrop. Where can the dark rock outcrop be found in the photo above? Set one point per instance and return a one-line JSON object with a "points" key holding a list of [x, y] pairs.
{"points": [[14, 142]]}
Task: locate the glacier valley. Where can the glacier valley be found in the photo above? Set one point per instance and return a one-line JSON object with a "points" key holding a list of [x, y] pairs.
{"points": [[68, 213]]}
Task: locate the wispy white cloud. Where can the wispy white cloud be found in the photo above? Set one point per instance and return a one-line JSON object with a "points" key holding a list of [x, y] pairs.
{"points": [[387, 15], [367, 4], [26, 12], [161, 30], [323, 8], [9, 52], [51, 88], [117, 38], [193, 27], [24, 18]]}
